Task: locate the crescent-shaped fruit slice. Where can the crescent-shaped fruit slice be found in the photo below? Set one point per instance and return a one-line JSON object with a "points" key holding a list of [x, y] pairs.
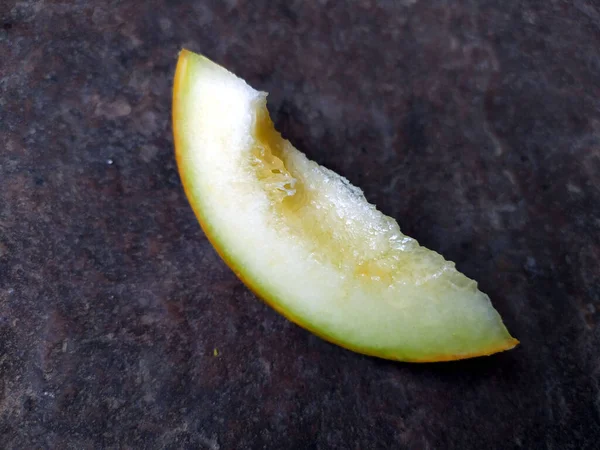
{"points": [[307, 241]]}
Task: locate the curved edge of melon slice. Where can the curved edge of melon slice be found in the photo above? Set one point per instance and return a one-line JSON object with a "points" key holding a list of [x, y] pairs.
{"points": [[181, 87]]}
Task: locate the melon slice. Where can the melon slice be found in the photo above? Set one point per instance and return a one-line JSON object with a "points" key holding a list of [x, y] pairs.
{"points": [[307, 242]]}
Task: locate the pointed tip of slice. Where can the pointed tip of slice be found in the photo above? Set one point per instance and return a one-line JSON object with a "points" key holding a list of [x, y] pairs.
{"points": [[501, 347]]}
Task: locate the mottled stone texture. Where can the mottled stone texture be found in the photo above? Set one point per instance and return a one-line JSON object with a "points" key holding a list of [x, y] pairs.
{"points": [[475, 123]]}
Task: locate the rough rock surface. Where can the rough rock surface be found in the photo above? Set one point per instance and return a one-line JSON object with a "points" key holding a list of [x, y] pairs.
{"points": [[475, 123]]}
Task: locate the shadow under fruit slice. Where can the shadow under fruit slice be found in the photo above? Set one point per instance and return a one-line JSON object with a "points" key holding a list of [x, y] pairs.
{"points": [[307, 242]]}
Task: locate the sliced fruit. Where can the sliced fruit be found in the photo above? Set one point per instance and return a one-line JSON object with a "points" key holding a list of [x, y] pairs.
{"points": [[307, 241]]}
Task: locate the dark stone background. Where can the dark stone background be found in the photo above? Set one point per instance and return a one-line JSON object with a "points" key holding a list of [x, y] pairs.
{"points": [[475, 123]]}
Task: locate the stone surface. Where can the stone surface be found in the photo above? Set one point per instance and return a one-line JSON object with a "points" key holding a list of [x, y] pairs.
{"points": [[475, 123]]}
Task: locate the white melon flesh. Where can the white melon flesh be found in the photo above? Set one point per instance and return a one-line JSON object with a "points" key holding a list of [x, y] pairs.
{"points": [[306, 240]]}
